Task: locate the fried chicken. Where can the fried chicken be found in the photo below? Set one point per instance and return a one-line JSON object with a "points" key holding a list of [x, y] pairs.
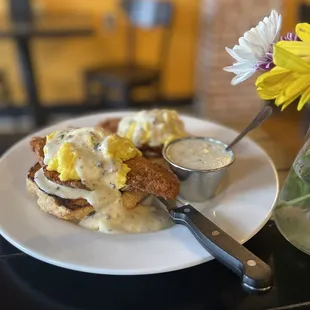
{"points": [[144, 175], [131, 199], [37, 145], [110, 124], [69, 203], [77, 208], [66, 209], [152, 178], [54, 177]]}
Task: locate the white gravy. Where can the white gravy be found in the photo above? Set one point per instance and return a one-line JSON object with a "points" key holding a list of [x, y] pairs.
{"points": [[198, 154], [111, 216]]}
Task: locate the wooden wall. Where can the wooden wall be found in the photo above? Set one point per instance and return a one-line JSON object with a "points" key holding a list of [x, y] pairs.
{"points": [[221, 26], [60, 62], [290, 14]]}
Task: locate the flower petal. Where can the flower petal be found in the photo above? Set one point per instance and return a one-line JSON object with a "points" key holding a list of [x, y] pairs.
{"points": [[271, 84], [304, 99], [288, 102], [278, 22], [296, 87], [274, 76], [240, 67], [241, 77], [279, 100], [303, 31], [291, 92], [232, 53], [298, 48], [245, 54], [256, 36], [264, 93], [288, 60], [306, 59], [275, 90], [254, 50]]}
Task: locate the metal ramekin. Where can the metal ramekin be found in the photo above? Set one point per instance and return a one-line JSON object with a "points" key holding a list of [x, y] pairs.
{"points": [[198, 185]]}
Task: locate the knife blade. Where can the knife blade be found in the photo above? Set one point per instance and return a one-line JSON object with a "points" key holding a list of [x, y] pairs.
{"points": [[255, 274]]}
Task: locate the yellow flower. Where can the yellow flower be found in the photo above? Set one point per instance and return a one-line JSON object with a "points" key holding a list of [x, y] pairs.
{"points": [[290, 79]]}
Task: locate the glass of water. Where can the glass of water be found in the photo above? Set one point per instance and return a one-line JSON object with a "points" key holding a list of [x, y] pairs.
{"points": [[292, 210]]}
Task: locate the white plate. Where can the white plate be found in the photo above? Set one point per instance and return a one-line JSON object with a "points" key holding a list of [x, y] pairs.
{"points": [[241, 209]]}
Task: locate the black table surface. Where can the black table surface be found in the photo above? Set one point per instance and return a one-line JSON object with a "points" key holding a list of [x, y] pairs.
{"points": [[29, 283]]}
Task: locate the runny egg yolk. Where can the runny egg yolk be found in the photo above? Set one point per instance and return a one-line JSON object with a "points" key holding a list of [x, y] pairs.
{"points": [[88, 153], [64, 163], [121, 148]]}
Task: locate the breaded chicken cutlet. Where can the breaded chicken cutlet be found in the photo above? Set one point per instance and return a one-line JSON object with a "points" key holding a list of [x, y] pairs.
{"points": [[67, 209], [110, 124], [144, 178]]}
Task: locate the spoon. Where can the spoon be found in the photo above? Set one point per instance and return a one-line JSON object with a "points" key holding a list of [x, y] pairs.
{"points": [[261, 116]]}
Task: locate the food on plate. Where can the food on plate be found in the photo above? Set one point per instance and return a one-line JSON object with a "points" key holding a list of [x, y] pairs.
{"points": [[150, 130], [110, 124], [98, 179]]}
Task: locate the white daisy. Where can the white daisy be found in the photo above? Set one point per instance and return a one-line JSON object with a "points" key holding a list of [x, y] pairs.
{"points": [[254, 51]]}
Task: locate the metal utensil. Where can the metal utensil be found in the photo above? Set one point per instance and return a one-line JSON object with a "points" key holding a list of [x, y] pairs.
{"points": [[198, 185], [261, 116], [254, 273]]}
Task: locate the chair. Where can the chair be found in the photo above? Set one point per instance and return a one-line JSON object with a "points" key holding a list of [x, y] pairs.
{"points": [[20, 11], [114, 85]]}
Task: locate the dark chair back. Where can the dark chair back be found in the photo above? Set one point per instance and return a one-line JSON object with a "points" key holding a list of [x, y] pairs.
{"points": [[20, 11], [304, 13], [148, 14]]}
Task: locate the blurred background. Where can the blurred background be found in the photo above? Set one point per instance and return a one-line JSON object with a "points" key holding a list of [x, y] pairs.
{"points": [[63, 58]]}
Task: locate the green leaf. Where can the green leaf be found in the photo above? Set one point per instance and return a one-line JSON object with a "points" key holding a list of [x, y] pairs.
{"points": [[296, 191]]}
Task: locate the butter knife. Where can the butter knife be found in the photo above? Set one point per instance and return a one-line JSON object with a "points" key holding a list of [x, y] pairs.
{"points": [[254, 273]]}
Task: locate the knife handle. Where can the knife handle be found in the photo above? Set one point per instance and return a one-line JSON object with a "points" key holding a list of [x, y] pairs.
{"points": [[254, 273]]}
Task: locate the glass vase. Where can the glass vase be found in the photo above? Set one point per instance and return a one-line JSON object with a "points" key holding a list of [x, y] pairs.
{"points": [[292, 210]]}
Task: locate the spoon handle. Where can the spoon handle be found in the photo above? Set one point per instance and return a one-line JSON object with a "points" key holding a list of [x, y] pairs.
{"points": [[261, 116]]}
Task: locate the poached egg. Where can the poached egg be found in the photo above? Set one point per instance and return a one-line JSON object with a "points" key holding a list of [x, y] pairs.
{"points": [[152, 127], [87, 153]]}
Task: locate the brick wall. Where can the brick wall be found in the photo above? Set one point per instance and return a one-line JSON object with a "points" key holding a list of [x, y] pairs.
{"points": [[222, 22]]}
